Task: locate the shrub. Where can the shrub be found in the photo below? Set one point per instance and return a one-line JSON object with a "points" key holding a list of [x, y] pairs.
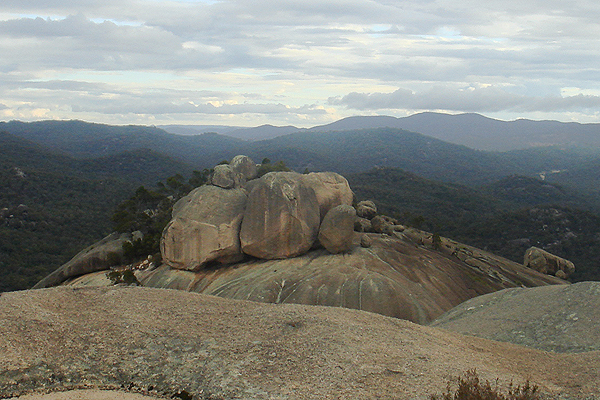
{"points": [[125, 276], [469, 387]]}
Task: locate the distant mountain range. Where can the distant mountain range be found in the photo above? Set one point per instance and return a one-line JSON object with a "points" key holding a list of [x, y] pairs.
{"points": [[471, 130], [344, 151]]}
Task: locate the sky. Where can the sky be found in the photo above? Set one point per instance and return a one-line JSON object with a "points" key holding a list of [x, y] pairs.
{"points": [[300, 62]]}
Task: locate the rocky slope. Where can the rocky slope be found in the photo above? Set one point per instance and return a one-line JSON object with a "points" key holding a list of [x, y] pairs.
{"points": [[187, 345], [396, 276], [561, 318]]}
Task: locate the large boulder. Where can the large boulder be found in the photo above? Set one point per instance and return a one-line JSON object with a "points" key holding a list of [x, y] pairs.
{"points": [[331, 189], [245, 166], [205, 227], [97, 257], [548, 263], [337, 229], [281, 219]]}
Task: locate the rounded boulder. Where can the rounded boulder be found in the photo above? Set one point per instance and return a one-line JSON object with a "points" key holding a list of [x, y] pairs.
{"points": [[205, 227], [337, 229], [281, 219]]}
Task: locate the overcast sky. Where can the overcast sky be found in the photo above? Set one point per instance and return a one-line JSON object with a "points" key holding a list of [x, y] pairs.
{"points": [[298, 62]]}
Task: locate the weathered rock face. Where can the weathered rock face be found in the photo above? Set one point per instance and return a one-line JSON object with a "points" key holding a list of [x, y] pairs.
{"points": [[225, 177], [96, 257], [547, 263], [244, 166], [362, 225], [281, 218], [205, 227], [331, 190], [381, 225], [393, 277], [337, 229]]}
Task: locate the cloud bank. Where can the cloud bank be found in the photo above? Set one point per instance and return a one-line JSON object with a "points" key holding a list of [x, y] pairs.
{"points": [[289, 62]]}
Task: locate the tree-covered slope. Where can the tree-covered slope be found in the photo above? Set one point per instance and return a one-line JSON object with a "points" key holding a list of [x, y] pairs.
{"points": [[52, 206], [87, 140]]}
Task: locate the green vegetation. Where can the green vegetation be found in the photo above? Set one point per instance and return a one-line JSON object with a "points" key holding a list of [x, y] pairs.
{"points": [[122, 276], [469, 387], [52, 206], [266, 167]]}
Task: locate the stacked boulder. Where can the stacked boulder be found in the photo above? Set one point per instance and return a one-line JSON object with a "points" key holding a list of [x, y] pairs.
{"points": [[279, 215]]}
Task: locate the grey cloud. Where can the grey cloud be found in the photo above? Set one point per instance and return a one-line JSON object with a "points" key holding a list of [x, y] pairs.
{"points": [[487, 99], [165, 108], [537, 47]]}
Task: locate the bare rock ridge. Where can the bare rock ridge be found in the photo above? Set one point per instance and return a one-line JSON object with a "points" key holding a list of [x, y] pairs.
{"points": [[296, 238], [97, 257], [558, 318], [174, 344]]}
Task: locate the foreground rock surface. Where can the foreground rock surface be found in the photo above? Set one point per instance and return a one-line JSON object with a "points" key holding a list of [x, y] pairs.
{"points": [[82, 394], [561, 318], [394, 276], [171, 342]]}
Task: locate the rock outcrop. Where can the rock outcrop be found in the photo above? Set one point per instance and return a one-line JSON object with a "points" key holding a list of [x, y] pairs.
{"points": [[244, 166], [266, 236], [548, 263], [225, 177], [205, 227], [395, 276], [366, 209], [97, 257], [281, 219]]}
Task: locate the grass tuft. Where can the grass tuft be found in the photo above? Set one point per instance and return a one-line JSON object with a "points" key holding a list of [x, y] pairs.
{"points": [[469, 387]]}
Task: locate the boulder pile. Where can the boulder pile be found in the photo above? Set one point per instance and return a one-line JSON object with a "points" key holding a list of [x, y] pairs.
{"points": [[279, 215], [286, 237]]}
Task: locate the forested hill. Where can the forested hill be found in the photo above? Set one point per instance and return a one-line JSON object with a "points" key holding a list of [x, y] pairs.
{"points": [[52, 206], [87, 140]]}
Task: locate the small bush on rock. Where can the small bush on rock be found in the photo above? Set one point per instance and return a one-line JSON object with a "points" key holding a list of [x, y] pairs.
{"points": [[126, 277], [469, 387]]}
